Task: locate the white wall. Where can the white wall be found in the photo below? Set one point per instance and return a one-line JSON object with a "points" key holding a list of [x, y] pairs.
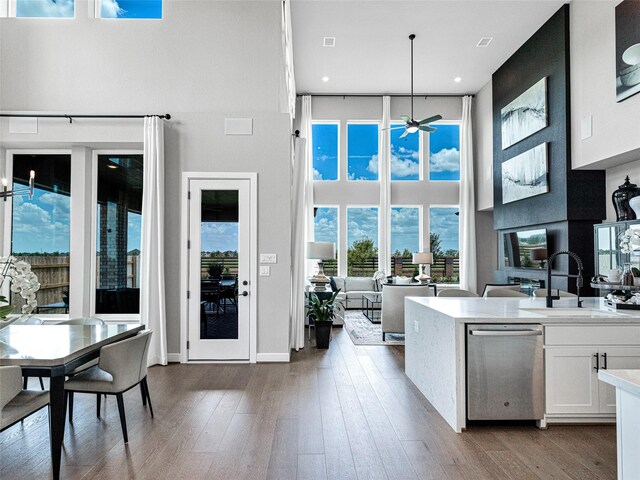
{"points": [[483, 147], [616, 126], [203, 62]]}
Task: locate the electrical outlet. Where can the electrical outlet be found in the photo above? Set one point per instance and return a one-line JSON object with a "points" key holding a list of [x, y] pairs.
{"points": [[265, 271], [268, 258], [416, 326]]}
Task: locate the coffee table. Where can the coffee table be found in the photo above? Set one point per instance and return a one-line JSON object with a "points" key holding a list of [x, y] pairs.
{"points": [[371, 306]]}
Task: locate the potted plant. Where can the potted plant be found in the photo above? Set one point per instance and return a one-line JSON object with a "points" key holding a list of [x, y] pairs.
{"points": [[215, 270], [323, 313]]}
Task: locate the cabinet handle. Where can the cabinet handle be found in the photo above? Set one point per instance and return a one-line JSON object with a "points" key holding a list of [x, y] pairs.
{"points": [[604, 358], [597, 367]]}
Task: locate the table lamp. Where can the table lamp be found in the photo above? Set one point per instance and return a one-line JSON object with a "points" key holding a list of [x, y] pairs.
{"points": [[423, 259], [320, 251], [538, 255]]}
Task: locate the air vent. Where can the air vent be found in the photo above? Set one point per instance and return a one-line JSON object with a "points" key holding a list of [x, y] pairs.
{"points": [[329, 42], [484, 42]]}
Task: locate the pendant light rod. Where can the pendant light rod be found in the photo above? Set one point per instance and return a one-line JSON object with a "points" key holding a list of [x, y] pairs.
{"points": [[411, 37]]}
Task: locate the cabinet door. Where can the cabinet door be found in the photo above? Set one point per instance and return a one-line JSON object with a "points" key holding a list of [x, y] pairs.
{"points": [[617, 358], [571, 380]]}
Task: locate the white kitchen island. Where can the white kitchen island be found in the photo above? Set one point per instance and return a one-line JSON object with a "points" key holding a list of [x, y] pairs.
{"points": [[577, 343], [627, 383]]}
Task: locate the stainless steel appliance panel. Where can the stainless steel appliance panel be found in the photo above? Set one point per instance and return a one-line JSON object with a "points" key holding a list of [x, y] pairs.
{"points": [[505, 372]]}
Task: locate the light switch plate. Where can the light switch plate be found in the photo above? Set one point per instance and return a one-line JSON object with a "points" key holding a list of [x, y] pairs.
{"points": [[268, 258], [416, 326], [265, 271], [586, 128]]}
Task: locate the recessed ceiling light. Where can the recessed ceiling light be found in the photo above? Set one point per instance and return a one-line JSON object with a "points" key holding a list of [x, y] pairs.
{"points": [[484, 42], [457, 79], [325, 79], [329, 42]]}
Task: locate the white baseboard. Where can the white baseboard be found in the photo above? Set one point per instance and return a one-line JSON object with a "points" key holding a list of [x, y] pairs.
{"points": [[173, 357], [273, 357]]}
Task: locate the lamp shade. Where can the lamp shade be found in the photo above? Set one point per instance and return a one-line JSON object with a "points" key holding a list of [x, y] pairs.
{"points": [[321, 250], [422, 258]]}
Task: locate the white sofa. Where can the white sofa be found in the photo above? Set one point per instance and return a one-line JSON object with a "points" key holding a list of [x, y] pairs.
{"points": [[354, 288], [393, 305]]}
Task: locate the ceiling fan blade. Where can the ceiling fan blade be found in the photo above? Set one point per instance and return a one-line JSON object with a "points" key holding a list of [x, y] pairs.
{"points": [[427, 128], [404, 134], [404, 118], [435, 118], [393, 128]]}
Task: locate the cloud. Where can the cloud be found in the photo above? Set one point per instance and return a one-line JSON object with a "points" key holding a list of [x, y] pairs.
{"points": [[111, 9], [41, 226], [316, 174], [445, 222], [446, 160], [220, 236], [362, 223], [45, 8], [326, 225], [404, 168], [405, 229], [372, 166]]}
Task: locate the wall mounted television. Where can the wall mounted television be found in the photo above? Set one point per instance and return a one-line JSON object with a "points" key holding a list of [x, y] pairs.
{"points": [[526, 249]]}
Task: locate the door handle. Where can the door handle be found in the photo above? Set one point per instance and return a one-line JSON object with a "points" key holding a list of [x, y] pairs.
{"points": [[245, 293], [597, 367], [505, 333], [604, 363]]}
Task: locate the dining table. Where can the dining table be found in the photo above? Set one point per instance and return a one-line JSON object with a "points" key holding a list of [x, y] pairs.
{"points": [[54, 351]]}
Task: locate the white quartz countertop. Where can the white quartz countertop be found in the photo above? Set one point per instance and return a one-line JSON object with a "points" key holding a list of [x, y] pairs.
{"points": [[526, 310], [628, 380]]}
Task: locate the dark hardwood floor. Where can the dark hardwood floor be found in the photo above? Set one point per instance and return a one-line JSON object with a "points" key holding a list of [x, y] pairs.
{"points": [[345, 413]]}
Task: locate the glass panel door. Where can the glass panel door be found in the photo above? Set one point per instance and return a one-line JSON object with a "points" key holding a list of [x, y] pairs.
{"points": [[219, 216]]}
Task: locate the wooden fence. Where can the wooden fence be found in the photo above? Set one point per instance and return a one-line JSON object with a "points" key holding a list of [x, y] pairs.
{"points": [[230, 263], [443, 269]]}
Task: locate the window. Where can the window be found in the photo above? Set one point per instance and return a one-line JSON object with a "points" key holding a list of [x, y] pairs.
{"points": [[444, 152], [149, 9], [44, 8], [362, 241], [405, 155], [325, 229], [324, 142], [405, 239], [443, 238], [362, 151], [118, 227], [41, 227]]}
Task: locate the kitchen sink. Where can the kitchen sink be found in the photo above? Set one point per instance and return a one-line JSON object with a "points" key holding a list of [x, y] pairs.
{"points": [[570, 312]]}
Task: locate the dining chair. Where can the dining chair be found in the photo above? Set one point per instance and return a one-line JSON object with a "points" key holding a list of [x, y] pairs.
{"points": [[16, 403], [456, 292], [494, 286], [505, 292], [29, 321], [82, 321], [122, 366]]}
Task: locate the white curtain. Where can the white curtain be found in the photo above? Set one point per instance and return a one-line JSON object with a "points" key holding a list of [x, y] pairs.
{"points": [[301, 223], [288, 83], [384, 221], [152, 293], [468, 264]]}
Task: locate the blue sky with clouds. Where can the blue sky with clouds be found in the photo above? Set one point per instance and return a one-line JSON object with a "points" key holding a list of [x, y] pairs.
{"points": [[405, 155], [362, 151], [362, 222], [405, 229], [109, 8], [40, 225], [444, 221], [219, 236], [444, 152], [325, 151]]}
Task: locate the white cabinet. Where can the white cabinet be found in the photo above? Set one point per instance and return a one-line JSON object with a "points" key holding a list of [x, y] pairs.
{"points": [[571, 380], [615, 358], [573, 356]]}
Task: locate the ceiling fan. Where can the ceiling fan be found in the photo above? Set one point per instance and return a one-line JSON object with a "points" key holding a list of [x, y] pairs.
{"points": [[411, 125]]}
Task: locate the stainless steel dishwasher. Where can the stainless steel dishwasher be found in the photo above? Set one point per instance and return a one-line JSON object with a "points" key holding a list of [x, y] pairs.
{"points": [[505, 372]]}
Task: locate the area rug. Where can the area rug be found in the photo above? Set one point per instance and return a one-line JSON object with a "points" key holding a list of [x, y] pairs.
{"points": [[363, 332]]}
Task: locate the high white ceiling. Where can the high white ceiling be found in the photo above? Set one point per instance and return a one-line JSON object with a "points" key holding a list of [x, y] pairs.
{"points": [[372, 51]]}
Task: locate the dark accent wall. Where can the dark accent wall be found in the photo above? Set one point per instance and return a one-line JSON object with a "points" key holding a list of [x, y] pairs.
{"points": [[573, 195], [576, 199]]}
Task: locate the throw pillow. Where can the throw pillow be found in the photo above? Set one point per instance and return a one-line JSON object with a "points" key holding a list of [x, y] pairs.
{"points": [[332, 282]]}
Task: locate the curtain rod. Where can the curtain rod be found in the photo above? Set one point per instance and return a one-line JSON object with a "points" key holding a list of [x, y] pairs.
{"points": [[378, 95], [71, 116]]}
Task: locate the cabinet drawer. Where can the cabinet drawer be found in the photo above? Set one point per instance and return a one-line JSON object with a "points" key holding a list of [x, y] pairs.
{"points": [[592, 335]]}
